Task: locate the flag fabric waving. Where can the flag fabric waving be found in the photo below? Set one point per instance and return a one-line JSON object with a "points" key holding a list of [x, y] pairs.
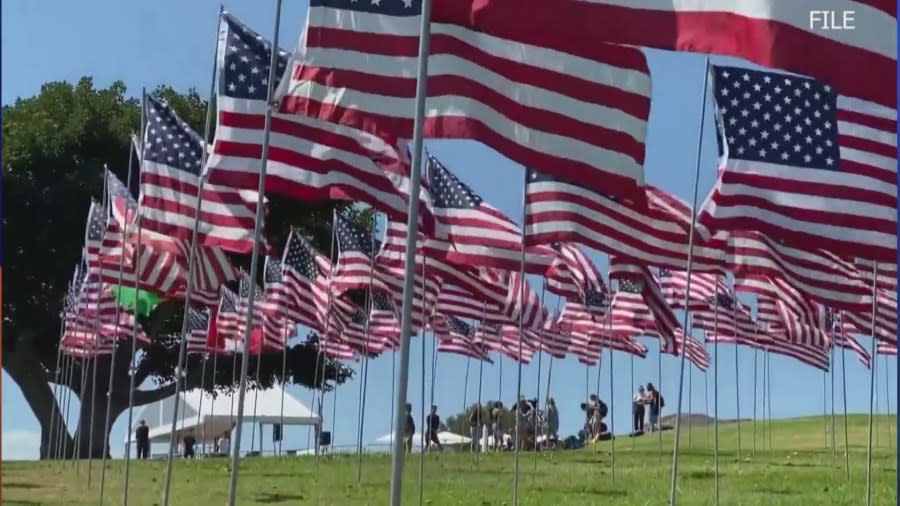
{"points": [[580, 108], [805, 164]]}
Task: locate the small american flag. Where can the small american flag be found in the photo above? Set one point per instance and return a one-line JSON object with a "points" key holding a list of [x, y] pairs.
{"points": [[885, 318], [805, 164], [655, 235], [574, 276], [197, 330], [309, 159], [651, 295], [355, 267], [479, 234]]}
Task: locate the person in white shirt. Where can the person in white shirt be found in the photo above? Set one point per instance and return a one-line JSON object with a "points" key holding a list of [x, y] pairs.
{"points": [[637, 410], [224, 444]]}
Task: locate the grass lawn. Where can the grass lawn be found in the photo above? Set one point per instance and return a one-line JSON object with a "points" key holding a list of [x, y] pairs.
{"points": [[797, 471]]}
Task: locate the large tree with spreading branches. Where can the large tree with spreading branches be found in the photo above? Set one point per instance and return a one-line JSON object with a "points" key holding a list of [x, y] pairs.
{"points": [[56, 146]]}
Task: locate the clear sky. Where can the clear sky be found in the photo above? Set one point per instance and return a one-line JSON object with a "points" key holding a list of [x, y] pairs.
{"points": [[172, 42]]}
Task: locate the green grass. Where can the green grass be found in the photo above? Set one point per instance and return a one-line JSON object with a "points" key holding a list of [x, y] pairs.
{"points": [[799, 470]]}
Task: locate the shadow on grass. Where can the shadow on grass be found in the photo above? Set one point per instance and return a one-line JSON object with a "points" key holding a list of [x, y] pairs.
{"points": [[777, 491], [21, 485], [22, 503], [702, 475], [275, 498]]}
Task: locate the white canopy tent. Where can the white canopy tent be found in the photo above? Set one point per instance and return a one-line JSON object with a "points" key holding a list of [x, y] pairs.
{"points": [[218, 416], [446, 438]]}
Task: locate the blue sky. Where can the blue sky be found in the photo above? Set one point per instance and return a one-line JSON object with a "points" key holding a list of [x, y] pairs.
{"points": [[172, 42]]}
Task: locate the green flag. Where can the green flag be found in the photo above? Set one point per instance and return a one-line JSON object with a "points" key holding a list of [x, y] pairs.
{"points": [[140, 301]]}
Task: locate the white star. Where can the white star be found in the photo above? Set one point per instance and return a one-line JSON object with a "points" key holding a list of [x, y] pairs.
{"points": [[798, 129], [767, 97], [762, 152], [407, 4], [767, 79], [745, 113], [757, 87], [754, 123], [808, 139], [737, 84], [742, 131], [725, 74], [734, 103], [231, 87], [251, 88], [376, 2], [797, 148], [732, 121], [797, 92], [828, 125], [752, 142], [778, 89], [784, 156], [757, 105], [724, 92], [777, 127], [774, 145], [807, 158], [767, 116], [764, 134], [829, 161]]}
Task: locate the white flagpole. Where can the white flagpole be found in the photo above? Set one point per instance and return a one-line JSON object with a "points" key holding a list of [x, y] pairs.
{"points": [[887, 400], [93, 403], [364, 383], [254, 261], [715, 384], [192, 258], [831, 369], [755, 354], [287, 336], [521, 338], [737, 385], [397, 453], [540, 356], [690, 260], [872, 382], [137, 269], [844, 379], [612, 415], [425, 444], [47, 454]]}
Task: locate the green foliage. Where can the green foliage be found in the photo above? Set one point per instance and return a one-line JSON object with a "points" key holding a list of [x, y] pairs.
{"points": [[56, 146]]}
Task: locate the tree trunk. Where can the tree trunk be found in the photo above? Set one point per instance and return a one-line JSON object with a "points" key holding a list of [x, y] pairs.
{"points": [[24, 367]]}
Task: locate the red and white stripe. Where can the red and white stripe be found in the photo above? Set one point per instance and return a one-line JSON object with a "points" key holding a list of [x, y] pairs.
{"points": [[885, 318], [580, 109], [704, 286]]}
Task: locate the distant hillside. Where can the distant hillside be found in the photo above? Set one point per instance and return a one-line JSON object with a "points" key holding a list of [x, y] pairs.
{"points": [[696, 420]]}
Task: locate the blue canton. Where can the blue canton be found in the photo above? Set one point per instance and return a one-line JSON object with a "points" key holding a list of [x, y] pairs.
{"points": [[776, 118]]}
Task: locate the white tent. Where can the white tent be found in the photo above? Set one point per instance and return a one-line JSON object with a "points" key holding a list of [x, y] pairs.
{"points": [[446, 438], [218, 415]]}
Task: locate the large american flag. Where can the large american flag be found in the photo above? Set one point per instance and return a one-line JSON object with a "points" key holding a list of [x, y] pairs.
{"points": [[819, 275], [479, 234], [170, 184], [357, 247], [768, 32], [579, 109], [309, 159], [805, 164], [656, 234], [785, 311]]}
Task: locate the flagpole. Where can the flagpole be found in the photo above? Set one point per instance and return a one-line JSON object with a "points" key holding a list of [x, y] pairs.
{"points": [[466, 386], [769, 372], [633, 428], [112, 365], [521, 338], [364, 384], [825, 404], [53, 400], [93, 401], [482, 352], [287, 336], [872, 382], [844, 379], [755, 398], [64, 395], [256, 391], [612, 409], [83, 371], [659, 389], [540, 356], [687, 296], [690, 406], [397, 454], [831, 368], [212, 400], [333, 414], [254, 260], [737, 383], [327, 333], [887, 399], [715, 382], [425, 444]]}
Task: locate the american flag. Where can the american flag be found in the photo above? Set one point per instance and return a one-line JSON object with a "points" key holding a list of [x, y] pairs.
{"points": [[355, 267], [703, 287], [479, 234], [819, 275], [724, 315], [309, 159], [849, 342], [656, 234], [170, 184], [197, 330], [580, 109], [302, 296], [694, 350], [521, 304], [384, 322], [638, 278], [769, 33], [574, 276], [456, 301], [805, 164], [887, 273], [164, 259], [456, 336], [886, 349], [885, 318], [622, 344], [809, 355]]}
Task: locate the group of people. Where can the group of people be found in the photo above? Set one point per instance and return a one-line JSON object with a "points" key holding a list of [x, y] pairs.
{"points": [[595, 412], [432, 424], [221, 445], [646, 402]]}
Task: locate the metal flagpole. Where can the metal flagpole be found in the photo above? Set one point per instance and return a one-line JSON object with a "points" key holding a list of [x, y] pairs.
{"points": [[425, 444], [69, 364], [397, 455], [287, 336], [192, 259], [54, 400], [112, 366], [212, 400], [333, 414], [93, 405], [256, 394], [715, 384], [737, 386], [633, 428], [690, 406], [887, 400], [706, 393], [844, 379], [831, 368], [769, 372], [80, 431], [687, 295], [254, 261], [825, 404], [659, 389], [481, 414], [393, 382], [61, 427], [755, 398], [538, 395], [327, 329], [872, 382], [612, 414], [363, 387], [521, 338], [466, 385], [599, 370]]}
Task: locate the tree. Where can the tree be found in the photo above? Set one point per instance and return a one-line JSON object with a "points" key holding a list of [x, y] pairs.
{"points": [[56, 145]]}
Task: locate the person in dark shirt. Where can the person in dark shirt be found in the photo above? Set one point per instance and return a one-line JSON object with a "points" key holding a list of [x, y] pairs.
{"points": [[656, 403], [142, 437], [409, 429], [188, 443], [433, 423]]}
